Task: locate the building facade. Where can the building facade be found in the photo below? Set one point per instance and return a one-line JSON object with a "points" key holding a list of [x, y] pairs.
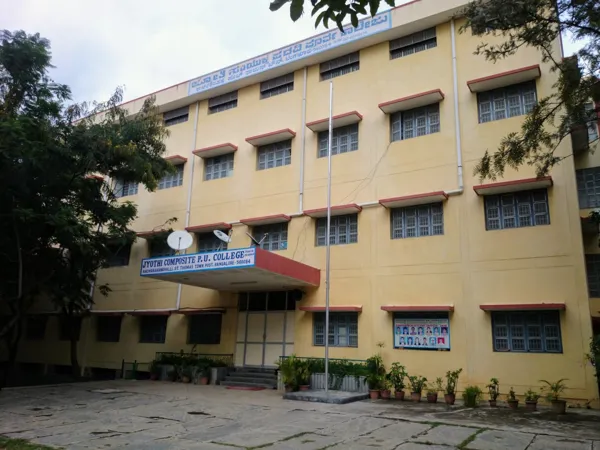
{"points": [[446, 271]]}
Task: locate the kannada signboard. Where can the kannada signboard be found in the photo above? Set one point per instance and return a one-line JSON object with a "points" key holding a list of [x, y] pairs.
{"points": [[425, 334], [300, 50], [225, 259]]}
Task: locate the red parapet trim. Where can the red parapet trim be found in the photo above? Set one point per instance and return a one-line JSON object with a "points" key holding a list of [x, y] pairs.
{"points": [[208, 227], [525, 307], [178, 159], [274, 217], [195, 311], [147, 234], [288, 267], [309, 212], [504, 74], [348, 308], [512, 183], [95, 177], [339, 116], [383, 201], [419, 308], [272, 133], [212, 147], [149, 313], [412, 97]]}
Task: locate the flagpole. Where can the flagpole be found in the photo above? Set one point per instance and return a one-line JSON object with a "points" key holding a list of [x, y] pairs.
{"points": [[327, 233]]}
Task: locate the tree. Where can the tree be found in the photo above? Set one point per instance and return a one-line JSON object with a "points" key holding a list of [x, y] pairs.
{"points": [[521, 23], [60, 216]]}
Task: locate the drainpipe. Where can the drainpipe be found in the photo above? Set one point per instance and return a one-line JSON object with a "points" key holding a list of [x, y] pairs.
{"points": [[459, 161], [303, 140], [189, 193]]}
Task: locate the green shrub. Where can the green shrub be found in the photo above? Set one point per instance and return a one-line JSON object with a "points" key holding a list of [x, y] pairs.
{"points": [[472, 396]]}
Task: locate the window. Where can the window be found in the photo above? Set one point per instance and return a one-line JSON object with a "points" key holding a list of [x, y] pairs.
{"points": [[205, 329], [340, 66], [276, 86], [176, 116], [36, 327], [68, 326], [218, 167], [125, 188], [208, 242], [159, 247], [267, 301], [275, 236], [172, 179], [418, 221], [343, 329], [588, 187], [593, 121], [153, 329], [108, 328], [592, 267], [522, 209], [344, 230], [120, 255], [223, 102], [415, 122], [275, 155], [506, 102], [527, 332], [413, 43], [343, 140]]}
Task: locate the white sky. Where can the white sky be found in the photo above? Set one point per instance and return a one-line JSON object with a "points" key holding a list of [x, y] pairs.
{"points": [[147, 45]]}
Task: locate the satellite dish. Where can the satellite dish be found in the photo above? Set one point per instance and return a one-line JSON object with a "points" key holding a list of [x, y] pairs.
{"points": [[222, 236], [180, 240]]}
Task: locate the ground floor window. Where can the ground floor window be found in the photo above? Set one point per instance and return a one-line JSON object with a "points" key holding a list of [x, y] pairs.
{"points": [[69, 327], [537, 332], [343, 329], [108, 328], [267, 301], [422, 331], [153, 329], [36, 327], [205, 329]]}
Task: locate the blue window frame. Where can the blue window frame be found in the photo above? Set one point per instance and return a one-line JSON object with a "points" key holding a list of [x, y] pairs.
{"points": [[521, 209], [534, 332], [417, 221], [343, 329]]}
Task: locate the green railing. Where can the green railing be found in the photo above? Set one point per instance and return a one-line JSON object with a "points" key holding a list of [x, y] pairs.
{"points": [[339, 369], [178, 358]]}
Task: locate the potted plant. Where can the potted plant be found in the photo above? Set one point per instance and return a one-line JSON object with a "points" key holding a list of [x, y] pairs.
{"points": [[512, 400], [472, 396], [531, 400], [172, 374], [373, 381], [451, 382], [493, 391], [186, 374], [375, 374], [433, 389], [287, 369], [417, 383], [553, 393], [154, 370], [397, 376], [385, 390], [303, 375]]}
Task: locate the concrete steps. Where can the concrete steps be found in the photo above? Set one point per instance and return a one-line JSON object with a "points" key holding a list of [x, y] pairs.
{"points": [[252, 378]]}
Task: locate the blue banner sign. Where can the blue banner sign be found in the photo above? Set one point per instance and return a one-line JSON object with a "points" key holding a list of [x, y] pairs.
{"points": [[312, 46], [198, 262]]}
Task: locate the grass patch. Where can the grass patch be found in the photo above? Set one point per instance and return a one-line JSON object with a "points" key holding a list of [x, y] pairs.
{"points": [[467, 441], [20, 444]]}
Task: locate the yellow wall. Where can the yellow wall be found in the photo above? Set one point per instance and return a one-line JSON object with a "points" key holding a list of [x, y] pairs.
{"points": [[465, 267]]}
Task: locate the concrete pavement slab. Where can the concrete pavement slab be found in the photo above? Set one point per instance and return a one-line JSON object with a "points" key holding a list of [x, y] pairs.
{"points": [[421, 446], [556, 443], [446, 434], [501, 440]]}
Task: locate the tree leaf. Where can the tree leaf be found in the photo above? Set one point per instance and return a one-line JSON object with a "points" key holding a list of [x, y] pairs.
{"points": [[354, 19], [374, 6], [320, 18], [317, 6], [392, 3], [296, 9], [277, 4], [359, 8]]}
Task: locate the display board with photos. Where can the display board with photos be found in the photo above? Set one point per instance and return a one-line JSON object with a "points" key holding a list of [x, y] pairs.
{"points": [[424, 334]]}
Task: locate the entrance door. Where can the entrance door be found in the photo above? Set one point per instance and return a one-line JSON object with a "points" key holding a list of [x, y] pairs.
{"points": [[265, 328]]}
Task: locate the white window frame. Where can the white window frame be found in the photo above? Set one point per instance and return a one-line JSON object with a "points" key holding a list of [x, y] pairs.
{"points": [[172, 179], [274, 155], [506, 102], [339, 66], [344, 140], [413, 43], [417, 221], [415, 122], [218, 167], [343, 230]]}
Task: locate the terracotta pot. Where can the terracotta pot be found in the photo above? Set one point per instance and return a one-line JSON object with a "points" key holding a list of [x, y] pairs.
{"points": [[185, 379], [373, 394], [559, 406], [399, 395], [305, 387], [432, 398], [385, 394], [492, 403], [415, 396], [204, 380], [530, 405], [513, 404], [449, 399], [289, 388]]}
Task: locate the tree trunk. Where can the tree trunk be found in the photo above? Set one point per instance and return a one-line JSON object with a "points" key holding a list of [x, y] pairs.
{"points": [[76, 371], [11, 341]]}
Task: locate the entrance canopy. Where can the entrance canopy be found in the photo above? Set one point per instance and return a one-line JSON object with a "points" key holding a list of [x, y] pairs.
{"points": [[242, 269]]}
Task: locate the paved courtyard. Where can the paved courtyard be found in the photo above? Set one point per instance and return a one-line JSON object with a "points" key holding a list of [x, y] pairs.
{"points": [[161, 415]]}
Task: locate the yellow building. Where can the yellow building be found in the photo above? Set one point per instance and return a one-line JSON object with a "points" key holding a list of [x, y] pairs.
{"points": [[490, 276]]}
